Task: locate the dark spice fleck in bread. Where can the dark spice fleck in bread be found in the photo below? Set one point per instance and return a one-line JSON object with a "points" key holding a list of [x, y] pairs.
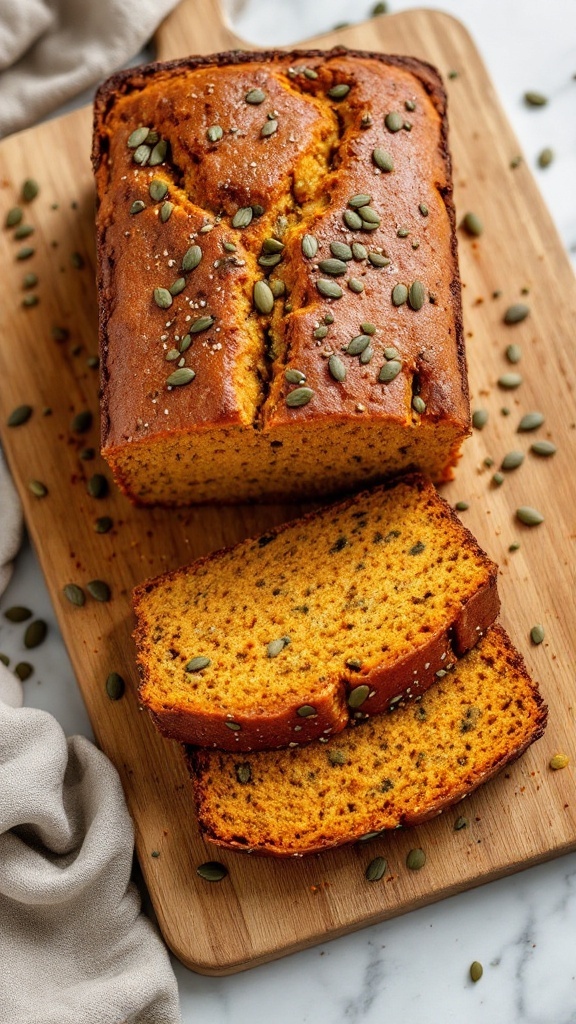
{"points": [[329, 618], [400, 768], [224, 185]]}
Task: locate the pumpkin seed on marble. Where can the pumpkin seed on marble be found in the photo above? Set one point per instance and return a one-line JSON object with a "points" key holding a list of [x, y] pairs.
{"points": [[352, 220], [30, 190], [329, 289], [309, 246], [242, 217], [294, 376], [17, 613], [545, 157], [337, 368], [38, 489], [359, 251], [81, 422], [301, 396], [198, 663], [23, 670], [306, 711], [418, 404], [35, 633], [97, 486], [376, 869], [255, 97], [416, 295], [115, 686], [383, 160], [535, 99], [13, 217], [476, 971], [338, 92], [212, 871], [182, 376], [415, 860], [399, 294], [274, 648], [158, 189], [333, 267], [472, 225], [263, 297], [544, 448], [516, 313], [158, 153], [99, 590], [358, 344], [177, 286], [378, 260], [214, 133], [166, 211], [559, 761], [203, 323], [529, 516], [269, 128], [389, 371], [394, 121], [21, 414], [512, 460], [355, 285], [73, 593], [531, 421], [341, 251], [537, 634], [510, 381], [162, 298]]}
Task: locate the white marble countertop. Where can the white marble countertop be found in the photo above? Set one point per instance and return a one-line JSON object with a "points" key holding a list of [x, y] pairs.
{"points": [[523, 928]]}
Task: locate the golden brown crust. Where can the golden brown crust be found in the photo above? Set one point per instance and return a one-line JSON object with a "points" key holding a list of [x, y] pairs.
{"points": [[236, 385]]}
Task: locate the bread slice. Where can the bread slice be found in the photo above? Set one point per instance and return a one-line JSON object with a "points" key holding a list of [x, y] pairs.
{"points": [[330, 617], [396, 769]]}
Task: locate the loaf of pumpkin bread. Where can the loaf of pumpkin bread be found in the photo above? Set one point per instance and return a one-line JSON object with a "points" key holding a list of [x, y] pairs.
{"points": [[279, 293], [330, 618], [400, 768]]}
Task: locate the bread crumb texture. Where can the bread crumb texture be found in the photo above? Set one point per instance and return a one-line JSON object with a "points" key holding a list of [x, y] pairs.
{"points": [[284, 167], [400, 768], [324, 620]]}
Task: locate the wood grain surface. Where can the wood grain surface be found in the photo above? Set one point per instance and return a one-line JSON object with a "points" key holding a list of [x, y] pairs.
{"points": [[266, 908]]}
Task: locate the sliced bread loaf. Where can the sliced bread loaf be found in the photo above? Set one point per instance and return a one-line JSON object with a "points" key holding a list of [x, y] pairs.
{"points": [[399, 768], [283, 639]]}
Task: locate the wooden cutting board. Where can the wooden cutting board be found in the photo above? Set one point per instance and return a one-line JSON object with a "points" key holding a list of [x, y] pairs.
{"points": [[267, 908]]}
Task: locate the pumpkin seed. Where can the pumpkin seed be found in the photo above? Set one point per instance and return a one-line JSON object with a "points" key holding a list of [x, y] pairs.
{"points": [[337, 368], [341, 251], [359, 251], [359, 200], [559, 761], [24, 231], [166, 211], [369, 216], [23, 670], [366, 355], [310, 73], [162, 298], [301, 396], [512, 460], [87, 454], [545, 157], [415, 860], [378, 260], [17, 613], [306, 711], [461, 506], [263, 298], [537, 634], [418, 404], [137, 206], [353, 220], [198, 663], [391, 353], [376, 869], [35, 633], [25, 252], [513, 353], [30, 190], [115, 686], [294, 376], [242, 217], [274, 648], [73, 593], [191, 258], [544, 448], [423, 209], [184, 375], [13, 217], [269, 128], [97, 486], [417, 295], [460, 823], [243, 773], [137, 137], [389, 371], [21, 414], [185, 343], [479, 418], [531, 421], [141, 155], [214, 133], [30, 300], [394, 121], [178, 286], [516, 313], [272, 246], [399, 294], [332, 266], [529, 516], [402, 233], [158, 189], [338, 92], [99, 590], [497, 479], [38, 489], [472, 224], [535, 99], [328, 318], [255, 97], [212, 871], [358, 695], [337, 757], [309, 246], [329, 289], [320, 333], [509, 381], [358, 344], [203, 323], [383, 160], [158, 153], [355, 285], [29, 280], [81, 422], [367, 328], [476, 971]]}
